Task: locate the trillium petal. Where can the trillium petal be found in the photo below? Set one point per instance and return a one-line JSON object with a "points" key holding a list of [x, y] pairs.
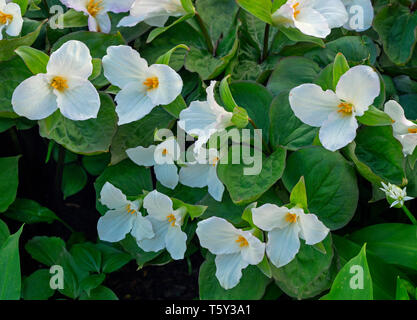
{"points": [[123, 65], [14, 28], [284, 16], [167, 152], [142, 228], [78, 5], [409, 143], [117, 6], [312, 105], [160, 229], [312, 229], [283, 245], [103, 23], [176, 242], [72, 59], [149, 9], [361, 14], [129, 21], [167, 175], [112, 197], [215, 186], [114, 225], [198, 118], [195, 175], [396, 112], [157, 21], [270, 216], [80, 101], [170, 84], [255, 251], [333, 11], [338, 131], [360, 86], [229, 269], [142, 156], [132, 103], [159, 206], [312, 23], [34, 98], [218, 236]]}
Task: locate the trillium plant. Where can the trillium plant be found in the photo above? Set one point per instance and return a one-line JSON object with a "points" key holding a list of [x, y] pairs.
{"points": [[208, 149]]}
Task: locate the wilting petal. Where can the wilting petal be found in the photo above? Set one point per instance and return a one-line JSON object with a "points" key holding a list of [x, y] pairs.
{"points": [[114, 225], [160, 229], [142, 156], [360, 86], [270, 216], [167, 175], [283, 245], [123, 65], [218, 236], [255, 251], [333, 11], [34, 98], [215, 186], [338, 131], [176, 242], [229, 269], [80, 101], [132, 103], [312, 105], [170, 84], [112, 197], [72, 59], [14, 28], [312, 229], [159, 206], [312, 23], [361, 14], [142, 228]]}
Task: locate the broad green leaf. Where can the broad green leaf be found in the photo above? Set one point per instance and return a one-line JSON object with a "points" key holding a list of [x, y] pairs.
{"points": [[87, 256], [29, 211], [74, 19], [34, 59], [9, 181], [92, 282], [97, 69], [194, 211], [401, 292], [158, 31], [130, 245], [112, 259], [74, 179], [297, 36], [99, 293], [37, 287], [340, 66], [332, 190], [353, 282], [95, 165], [4, 232], [375, 117], [261, 9], [166, 58], [298, 195]]}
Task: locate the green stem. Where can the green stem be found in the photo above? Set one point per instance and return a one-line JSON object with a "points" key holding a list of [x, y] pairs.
{"points": [[205, 33], [263, 141], [266, 42], [409, 215]]}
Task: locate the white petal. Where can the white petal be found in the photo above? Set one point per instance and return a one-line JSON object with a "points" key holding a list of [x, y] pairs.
{"points": [[78, 5], [142, 228], [160, 229], [270, 216], [396, 112], [333, 11], [129, 21], [338, 131], [409, 143], [312, 23], [198, 118], [361, 14], [170, 84], [167, 175], [255, 251], [229, 269], [34, 98], [176, 242], [283, 245], [312, 229], [218, 236], [215, 186], [312, 105], [72, 59], [157, 21], [112, 197], [159, 206], [195, 175], [14, 28], [168, 151], [103, 22], [142, 156], [123, 65], [114, 225], [117, 6], [132, 103], [360, 86], [147, 9], [80, 101], [284, 16]]}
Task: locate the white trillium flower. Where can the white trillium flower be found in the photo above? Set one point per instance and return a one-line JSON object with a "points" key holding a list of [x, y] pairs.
{"points": [[395, 194], [404, 130], [203, 172], [123, 217], [235, 249], [65, 86], [162, 157], [335, 112], [143, 87], [285, 227], [166, 223], [153, 13], [312, 17], [205, 118], [10, 18], [361, 14], [97, 11]]}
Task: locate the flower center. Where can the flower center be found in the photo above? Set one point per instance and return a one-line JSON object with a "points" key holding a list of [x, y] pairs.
{"points": [[345, 108], [152, 83], [129, 209], [171, 219], [164, 152], [59, 83], [296, 11], [242, 242], [412, 130], [215, 160], [94, 7], [5, 18], [291, 217]]}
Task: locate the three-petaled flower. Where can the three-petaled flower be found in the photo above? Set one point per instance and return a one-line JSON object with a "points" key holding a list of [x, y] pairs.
{"points": [[10, 19], [395, 195]]}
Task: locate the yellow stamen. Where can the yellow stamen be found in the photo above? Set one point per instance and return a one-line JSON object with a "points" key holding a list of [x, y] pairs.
{"points": [[215, 160], [94, 7], [59, 83], [164, 152], [296, 12], [412, 130], [5, 18], [151, 83], [345, 108], [242, 241], [171, 219], [129, 209], [291, 217]]}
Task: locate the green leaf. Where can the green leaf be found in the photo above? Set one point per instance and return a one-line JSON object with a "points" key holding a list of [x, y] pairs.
{"points": [[252, 285], [8, 181], [10, 278], [226, 94], [297, 36], [265, 267], [87, 256], [74, 19], [166, 58], [92, 282], [97, 69], [100, 293], [375, 117], [247, 214], [95, 165], [298, 195], [340, 67], [176, 106], [36, 286], [29, 211], [112, 258], [74, 179], [194, 211], [46, 250], [23, 4], [332, 190], [158, 31], [353, 282], [4, 232], [401, 292], [34, 59], [261, 9]]}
